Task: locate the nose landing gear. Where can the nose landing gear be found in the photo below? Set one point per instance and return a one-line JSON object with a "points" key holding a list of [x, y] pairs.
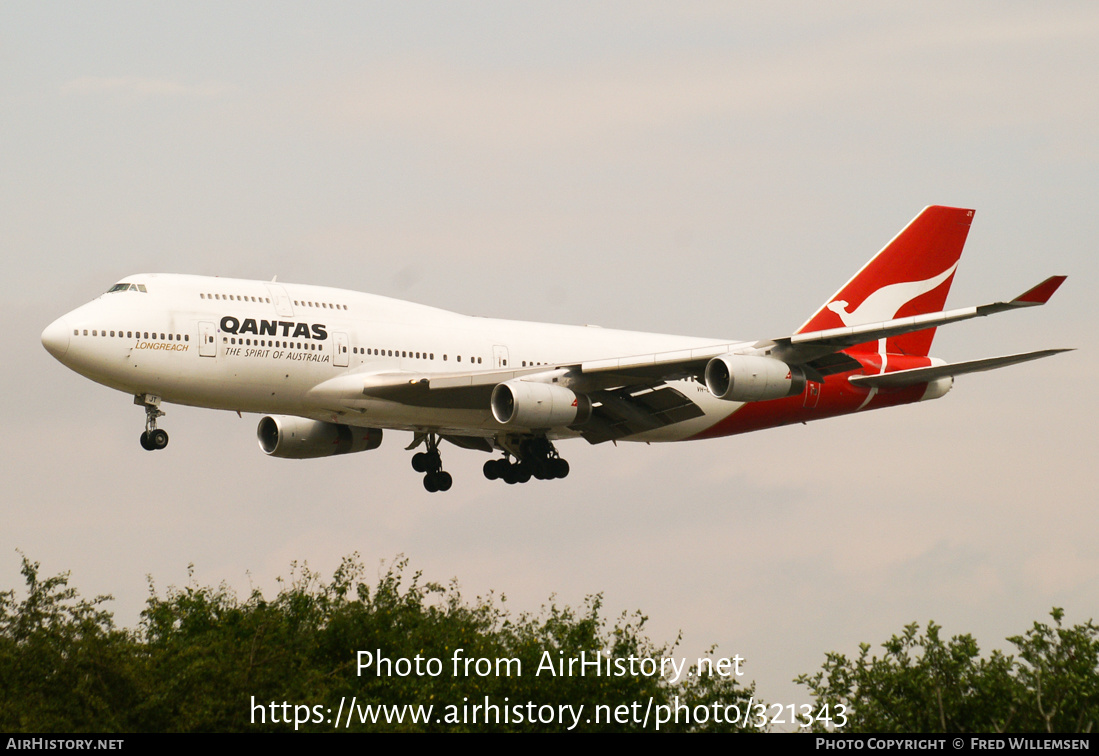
{"points": [[152, 438]]}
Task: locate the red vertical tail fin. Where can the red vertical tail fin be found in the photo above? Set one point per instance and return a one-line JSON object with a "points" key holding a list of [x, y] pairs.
{"points": [[910, 276]]}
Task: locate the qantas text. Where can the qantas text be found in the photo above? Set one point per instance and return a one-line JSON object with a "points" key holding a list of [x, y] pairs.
{"points": [[317, 331]]}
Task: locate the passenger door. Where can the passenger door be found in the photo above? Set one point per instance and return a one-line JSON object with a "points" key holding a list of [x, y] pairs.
{"points": [[207, 340]]}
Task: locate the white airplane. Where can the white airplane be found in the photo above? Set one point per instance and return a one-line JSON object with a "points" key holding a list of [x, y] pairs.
{"points": [[334, 367]]}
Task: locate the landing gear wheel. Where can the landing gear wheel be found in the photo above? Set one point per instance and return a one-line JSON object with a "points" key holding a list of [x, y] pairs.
{"points": [[146, 444], [438, 481], [419, 462], [490, 470], [158, 439], [560, 468]]}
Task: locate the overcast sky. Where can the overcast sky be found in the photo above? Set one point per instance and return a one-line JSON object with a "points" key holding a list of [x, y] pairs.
{"points": [[711, 169]]}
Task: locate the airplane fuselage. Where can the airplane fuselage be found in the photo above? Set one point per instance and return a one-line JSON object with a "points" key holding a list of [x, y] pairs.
{"points": [[265, 347]]}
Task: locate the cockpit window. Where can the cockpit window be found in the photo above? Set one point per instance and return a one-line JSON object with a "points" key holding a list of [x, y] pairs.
{"points": [[127, 287]]}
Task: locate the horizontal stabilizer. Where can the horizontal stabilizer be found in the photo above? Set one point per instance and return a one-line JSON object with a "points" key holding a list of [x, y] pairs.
{"points": [[924, 375]]}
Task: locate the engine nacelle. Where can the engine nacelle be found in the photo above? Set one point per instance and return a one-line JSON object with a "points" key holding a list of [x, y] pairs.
{"points": [[301, 438], [750, 378], [528, 404]]}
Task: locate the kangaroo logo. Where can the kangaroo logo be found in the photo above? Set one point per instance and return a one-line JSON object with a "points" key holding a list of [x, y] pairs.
{"points": [[886, 302]]}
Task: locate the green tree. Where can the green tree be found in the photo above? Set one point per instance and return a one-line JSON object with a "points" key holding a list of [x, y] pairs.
{"points": [[1059, 675], [202, 657], [924, 683], [63, 664]]}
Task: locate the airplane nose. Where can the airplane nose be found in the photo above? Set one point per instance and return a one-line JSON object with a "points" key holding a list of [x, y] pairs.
{"points": [[56, 338]]}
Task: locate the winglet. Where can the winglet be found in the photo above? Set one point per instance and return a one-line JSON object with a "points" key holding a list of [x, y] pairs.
{"points": [[1041, 293]]}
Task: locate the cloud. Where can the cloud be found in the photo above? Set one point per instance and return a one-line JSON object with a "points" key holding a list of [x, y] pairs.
{"points": [[144, 87]]}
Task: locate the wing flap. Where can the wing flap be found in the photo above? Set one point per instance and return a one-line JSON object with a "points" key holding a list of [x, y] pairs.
{"points": [[634, 409]]}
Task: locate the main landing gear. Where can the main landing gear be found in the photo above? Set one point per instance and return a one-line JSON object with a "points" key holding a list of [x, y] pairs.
{"points": [[152, 438], [536, 458], [431, 464]]}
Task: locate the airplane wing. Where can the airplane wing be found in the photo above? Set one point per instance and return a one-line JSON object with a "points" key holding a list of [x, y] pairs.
{"points": [[820, 353], [630, 394]]}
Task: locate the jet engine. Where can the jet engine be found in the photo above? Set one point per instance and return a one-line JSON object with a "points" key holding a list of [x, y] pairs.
{"points": [[300, 438], [750, 378], [528, 404]]}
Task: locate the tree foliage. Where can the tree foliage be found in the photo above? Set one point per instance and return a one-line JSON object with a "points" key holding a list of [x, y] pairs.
{"points": [[924, 683], [202, 658]]}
